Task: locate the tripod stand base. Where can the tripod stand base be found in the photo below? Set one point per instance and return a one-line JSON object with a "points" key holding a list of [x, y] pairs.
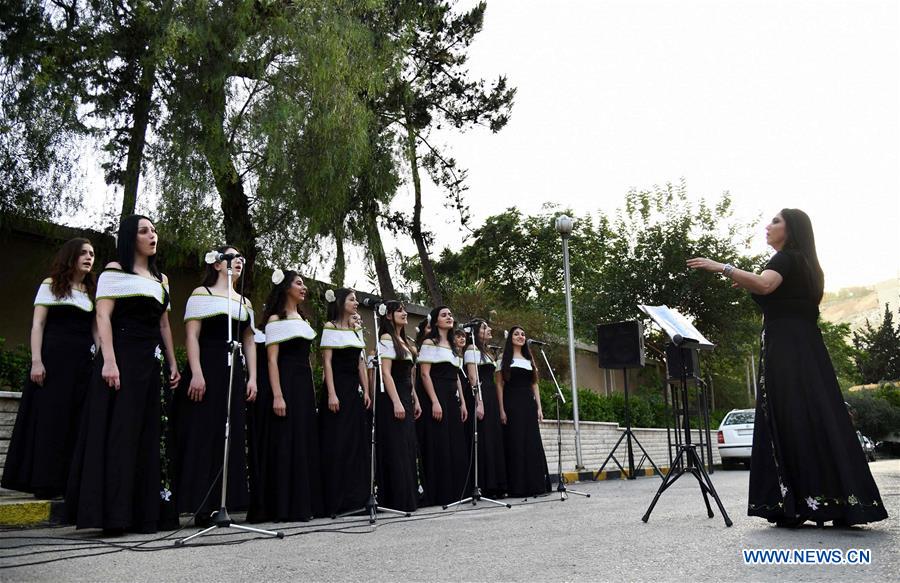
{"points": [[221, 519], [372, 509], [629, 434], [564, 491], [475, 498], [694, 466]]}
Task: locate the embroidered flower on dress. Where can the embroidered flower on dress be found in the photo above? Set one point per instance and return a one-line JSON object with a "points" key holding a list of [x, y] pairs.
{"points": [[784, 489], [329, 295], [852, 500], [158, 353], [93, 349], [165, 494], [211, 257], [812, 503], [277, 276]]}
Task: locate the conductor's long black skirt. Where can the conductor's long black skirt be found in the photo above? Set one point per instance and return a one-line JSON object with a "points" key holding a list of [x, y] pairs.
{"points": [[806, 461]]}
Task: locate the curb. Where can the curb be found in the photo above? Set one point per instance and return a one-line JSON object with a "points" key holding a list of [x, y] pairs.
{"points": [[29, 513], [591, 476]]}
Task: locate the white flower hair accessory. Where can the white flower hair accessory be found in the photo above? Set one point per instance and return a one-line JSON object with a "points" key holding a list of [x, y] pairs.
{"points": [[428, 317], [505, 334], [277, 276], [211, 257], [329, 295]]}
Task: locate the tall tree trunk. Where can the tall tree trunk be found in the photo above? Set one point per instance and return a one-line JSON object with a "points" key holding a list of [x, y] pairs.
{"points": [[239, 229], [340, 261], [376, 248], [143, 104], [140, 115], [418, 237]]}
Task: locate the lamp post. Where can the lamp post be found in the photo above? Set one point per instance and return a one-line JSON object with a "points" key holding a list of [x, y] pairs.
{"points": [[564, 226]]}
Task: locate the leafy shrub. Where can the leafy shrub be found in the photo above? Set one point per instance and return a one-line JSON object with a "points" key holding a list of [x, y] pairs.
{"points": [[647, 411], [15, 365], [874, 413]]}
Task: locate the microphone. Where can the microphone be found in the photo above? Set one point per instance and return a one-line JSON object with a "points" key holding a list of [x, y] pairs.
{"points": [[371, 302], [376, 304], [536, 342], [228, 257]]}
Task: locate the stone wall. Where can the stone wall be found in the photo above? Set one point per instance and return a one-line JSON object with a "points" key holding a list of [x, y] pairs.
{"points": [[598, 439]]}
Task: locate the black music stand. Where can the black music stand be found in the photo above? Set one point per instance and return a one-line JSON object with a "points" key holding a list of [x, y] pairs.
{"points": [[687, 338]]}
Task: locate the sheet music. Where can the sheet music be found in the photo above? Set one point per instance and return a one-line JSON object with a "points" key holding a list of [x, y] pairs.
{"points": [[672, 323]]}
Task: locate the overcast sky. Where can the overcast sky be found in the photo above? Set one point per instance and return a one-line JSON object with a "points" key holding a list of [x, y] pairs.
{"points": [[784, 104]]}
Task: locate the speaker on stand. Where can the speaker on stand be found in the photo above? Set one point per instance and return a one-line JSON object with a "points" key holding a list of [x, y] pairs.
{"points": [[620, 345]]}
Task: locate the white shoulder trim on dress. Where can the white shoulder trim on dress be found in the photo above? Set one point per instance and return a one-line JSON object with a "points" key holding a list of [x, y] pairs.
{"points": [[388, 351], [471, 357], [341, 338], [521, 363], [114, 284], [202, 306], [77, 298], [434, 354], [279, 331]]}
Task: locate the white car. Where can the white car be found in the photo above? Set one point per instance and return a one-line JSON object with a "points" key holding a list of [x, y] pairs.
{"points": [[735, 436]]}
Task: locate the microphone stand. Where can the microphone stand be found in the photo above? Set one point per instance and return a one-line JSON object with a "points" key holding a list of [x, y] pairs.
{"points": [[560, 480], [372, 508], [220, 518], [476, 496]]}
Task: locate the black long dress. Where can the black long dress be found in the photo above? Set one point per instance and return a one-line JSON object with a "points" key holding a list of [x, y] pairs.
{"points": [[445, 460], [806, 460], [491, 458], [258, 430], [526, 464], [344, 436], [40, 450], [114, 481], [398, 486], [468, 429], [200, 426], [286, 478]]}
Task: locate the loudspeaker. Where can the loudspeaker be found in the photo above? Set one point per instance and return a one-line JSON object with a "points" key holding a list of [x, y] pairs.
{"points": [[676, 358], [621, 345]]}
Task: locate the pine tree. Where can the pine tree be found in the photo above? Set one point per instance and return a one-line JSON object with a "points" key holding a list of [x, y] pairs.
{"points": [[878, 357]]}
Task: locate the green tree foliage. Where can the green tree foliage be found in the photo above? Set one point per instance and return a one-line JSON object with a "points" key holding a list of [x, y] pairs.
{"points": [[878, 350], [264, 108], [634, 256], [843, 354], [78, 73], [876, 413], [433, 88]]}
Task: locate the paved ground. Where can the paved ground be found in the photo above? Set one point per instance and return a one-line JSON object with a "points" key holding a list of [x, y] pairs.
{"points": [[600, 538]]}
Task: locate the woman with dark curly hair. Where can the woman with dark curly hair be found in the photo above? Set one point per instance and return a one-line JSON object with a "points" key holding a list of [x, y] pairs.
{"points": [[62, 342]]}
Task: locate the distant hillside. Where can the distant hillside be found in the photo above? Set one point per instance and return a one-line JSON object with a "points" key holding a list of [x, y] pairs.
{"points": [[854, 305]]}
